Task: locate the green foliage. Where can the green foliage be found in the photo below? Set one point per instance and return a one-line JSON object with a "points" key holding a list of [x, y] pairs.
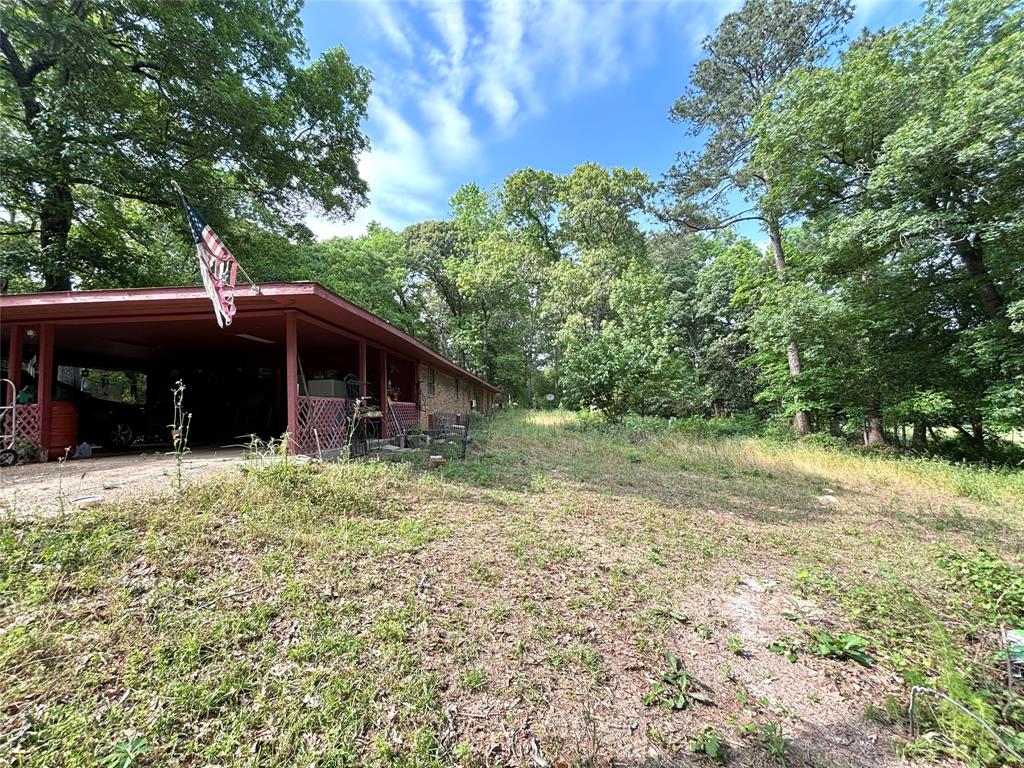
{"points": [[842, 648], [371, 271], [102, 105], [845, 647], [905, 264], [711, 744], [677, 689], [786, 646], [125, 755], [723, 426], [998, 586], [890, 311], [627, 364], [774, 741]]}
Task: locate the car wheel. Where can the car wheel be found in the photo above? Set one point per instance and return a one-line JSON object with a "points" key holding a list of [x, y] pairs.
{"points": [[121, 434]]}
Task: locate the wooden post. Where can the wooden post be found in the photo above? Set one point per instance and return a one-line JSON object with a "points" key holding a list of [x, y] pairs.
{"points": [[291, 372], [14, 358], [362, 369], [383, 362], [44, 387]]}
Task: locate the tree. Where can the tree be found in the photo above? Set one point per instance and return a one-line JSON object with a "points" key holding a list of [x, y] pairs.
{"points": [[628, 364], [906, 155], [102, 104], [750, 53], [371, 271], [707, 326]]}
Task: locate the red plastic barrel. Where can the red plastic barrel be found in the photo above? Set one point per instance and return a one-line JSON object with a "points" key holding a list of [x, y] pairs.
{"points": [[63, 428]]}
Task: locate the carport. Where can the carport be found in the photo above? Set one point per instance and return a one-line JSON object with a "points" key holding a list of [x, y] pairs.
{"points": [[293, 361]]}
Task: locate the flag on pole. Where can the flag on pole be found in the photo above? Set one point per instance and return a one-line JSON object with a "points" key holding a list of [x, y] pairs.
{"points": [[217, 265]]}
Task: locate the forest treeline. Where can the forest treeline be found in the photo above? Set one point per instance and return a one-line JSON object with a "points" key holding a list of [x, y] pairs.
{"points": [[884, 301]]}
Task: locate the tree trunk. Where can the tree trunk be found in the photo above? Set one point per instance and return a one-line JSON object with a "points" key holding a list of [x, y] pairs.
{"points": [[919, 439], [801, 419], [977, 432], [969, 250], [874, 435], [54, 226]]}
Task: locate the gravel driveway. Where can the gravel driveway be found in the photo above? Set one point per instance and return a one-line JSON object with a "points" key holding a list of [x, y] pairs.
{"points": [[36, 489]]}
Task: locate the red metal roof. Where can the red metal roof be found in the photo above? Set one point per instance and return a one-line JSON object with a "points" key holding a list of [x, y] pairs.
{"points": [[189, 304]]}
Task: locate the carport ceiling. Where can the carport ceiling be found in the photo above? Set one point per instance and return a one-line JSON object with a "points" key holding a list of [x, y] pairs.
{"points": [[159, 339], [146, 323]]}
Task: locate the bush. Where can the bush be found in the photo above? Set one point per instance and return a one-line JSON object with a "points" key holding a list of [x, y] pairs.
{"points": [[723, 426], [588, 421], [825, 441]]}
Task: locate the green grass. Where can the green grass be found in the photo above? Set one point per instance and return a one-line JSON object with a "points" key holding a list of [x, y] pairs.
{"points": [[380, 613]]}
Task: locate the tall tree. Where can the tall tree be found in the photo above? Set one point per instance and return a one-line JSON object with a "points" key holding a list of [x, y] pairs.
{"points": [[101, 104], [750, 53], [908, 154]]}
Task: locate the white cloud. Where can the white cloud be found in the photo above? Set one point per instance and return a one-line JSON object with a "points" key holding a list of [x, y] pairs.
{"points": [[389, 26], [451, 132], [451, 23], [400, 172], [453, 75]]}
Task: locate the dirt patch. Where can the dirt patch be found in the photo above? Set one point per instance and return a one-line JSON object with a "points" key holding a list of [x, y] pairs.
{"points": [[550, 663]]}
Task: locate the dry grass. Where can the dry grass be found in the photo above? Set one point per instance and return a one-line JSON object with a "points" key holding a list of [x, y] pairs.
{"points": [[515, 609]]}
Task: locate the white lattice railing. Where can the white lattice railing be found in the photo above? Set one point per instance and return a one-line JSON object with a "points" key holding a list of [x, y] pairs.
{"points": [[26, 423], [323, 424]]}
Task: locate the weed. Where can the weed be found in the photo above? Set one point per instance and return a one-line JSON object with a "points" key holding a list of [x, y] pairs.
{"points": [[736, 645], [499, 614], [677, 689], [842, 648], [998, 586], [279, 615], [669, 613], [710, 744], [474, 680], [124, 755], [481, 573], [787, 646], [180, 426], [771, 737]]}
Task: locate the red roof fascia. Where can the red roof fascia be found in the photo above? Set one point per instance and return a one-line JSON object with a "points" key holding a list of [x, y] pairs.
{"points": [[122, 303]]}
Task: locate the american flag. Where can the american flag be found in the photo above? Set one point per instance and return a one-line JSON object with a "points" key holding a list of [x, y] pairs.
{"points": [[216, 263]]}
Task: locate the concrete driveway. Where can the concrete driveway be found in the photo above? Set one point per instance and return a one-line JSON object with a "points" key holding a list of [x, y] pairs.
{"points": [[36, 489]]}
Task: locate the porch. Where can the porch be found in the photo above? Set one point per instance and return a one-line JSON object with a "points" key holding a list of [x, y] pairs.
{"points": [[296, 370]]}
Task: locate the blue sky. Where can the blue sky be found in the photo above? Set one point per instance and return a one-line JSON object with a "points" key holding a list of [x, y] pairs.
{"points": [[471, 91]]}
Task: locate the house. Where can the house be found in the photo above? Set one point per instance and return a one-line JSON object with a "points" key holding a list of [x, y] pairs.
{"points": [[294, 360]]}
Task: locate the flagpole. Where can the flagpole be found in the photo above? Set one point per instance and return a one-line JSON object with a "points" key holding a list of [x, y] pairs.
{"points": [[181, 197]]}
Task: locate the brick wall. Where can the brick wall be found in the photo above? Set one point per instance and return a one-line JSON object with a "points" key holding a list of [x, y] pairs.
{"points": [[450, 395]]}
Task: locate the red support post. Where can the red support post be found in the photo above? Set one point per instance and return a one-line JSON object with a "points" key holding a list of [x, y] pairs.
{"points": [[382, 360], [362, 369], [44, 387], [14, 357], [291, 371]]}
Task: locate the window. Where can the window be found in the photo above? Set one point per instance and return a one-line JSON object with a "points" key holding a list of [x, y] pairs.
{"points": [[430, 381]]}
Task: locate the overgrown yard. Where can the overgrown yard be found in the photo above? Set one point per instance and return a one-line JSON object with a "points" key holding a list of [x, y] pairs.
{"points": [[570, 594]]}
